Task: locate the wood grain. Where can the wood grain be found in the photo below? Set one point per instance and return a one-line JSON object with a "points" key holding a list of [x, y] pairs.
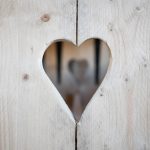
{"points": [[118, 117], [33, 115]]}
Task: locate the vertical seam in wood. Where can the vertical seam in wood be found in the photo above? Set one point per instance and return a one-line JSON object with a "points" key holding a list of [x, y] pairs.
{"points": [[97, 59], [76, 127], [76, 135], [77, 22]]}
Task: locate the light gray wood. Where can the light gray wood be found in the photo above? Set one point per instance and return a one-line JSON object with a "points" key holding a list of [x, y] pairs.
{"points": [[118, 117], [33, 116]]}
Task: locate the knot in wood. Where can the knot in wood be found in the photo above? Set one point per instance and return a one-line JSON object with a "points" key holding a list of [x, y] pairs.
{"points": [[45, 18]]}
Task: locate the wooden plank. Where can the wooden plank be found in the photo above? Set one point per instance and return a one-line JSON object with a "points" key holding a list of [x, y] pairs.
{"points": [[33, 116], [118, 117]]}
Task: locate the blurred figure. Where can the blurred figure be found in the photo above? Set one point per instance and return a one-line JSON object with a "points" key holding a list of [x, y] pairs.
{"points": [[78, 70]]}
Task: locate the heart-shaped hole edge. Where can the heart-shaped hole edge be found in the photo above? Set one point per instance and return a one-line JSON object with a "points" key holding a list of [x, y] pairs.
{"points": [[100, 85]]}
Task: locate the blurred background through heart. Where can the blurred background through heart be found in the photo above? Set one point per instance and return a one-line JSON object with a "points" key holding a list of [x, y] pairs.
{"points": [[77, 72]]}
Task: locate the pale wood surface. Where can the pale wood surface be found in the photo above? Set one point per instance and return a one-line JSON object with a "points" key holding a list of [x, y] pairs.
{"points": [[33, 115], [118, 117]]}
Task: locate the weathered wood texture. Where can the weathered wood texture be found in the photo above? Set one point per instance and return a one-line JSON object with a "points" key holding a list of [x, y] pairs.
{"points": [[118, 117], [33, 115]]}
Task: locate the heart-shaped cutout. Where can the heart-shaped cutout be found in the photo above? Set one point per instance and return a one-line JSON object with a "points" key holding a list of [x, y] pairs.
{"points": [[77, 72]]}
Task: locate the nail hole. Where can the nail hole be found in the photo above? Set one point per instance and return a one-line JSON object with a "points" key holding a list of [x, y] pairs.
{"points": [[25, 77], [101, 95], [138, 8]]}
